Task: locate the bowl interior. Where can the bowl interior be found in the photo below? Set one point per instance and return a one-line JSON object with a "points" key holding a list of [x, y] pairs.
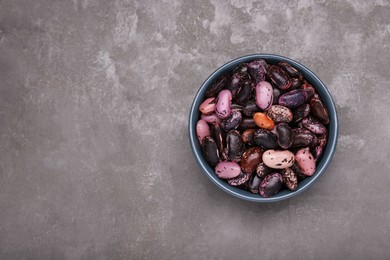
{"points": [[329, 150]]}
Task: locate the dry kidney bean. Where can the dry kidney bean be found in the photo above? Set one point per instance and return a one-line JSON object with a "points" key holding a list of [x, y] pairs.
{"points": [[223, 107], [234, 145], [248, 136], [280, 114], [281, 121], [257, 70], [263, 121], [208, 106], [245, 92], [202, 130], [285, 138], [293, 72], [250, 108], [303, 138], [263, 170], [270, 185], [300, 112], [254, 183], [210, 151], [251, 158], [264, 95], [294, 98], [306, 161], [265, 139], [232, 121], [219, 137], [290, 179], [295, 83], [241, 179], [279, 77], [247, 123], [319, 110]]}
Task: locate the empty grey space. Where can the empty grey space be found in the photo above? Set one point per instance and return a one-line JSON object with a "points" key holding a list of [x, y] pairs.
{"points": [[95, 161]]}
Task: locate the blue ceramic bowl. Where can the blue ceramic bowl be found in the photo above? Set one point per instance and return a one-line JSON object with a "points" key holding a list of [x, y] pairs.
{"points": [[283, 194]]}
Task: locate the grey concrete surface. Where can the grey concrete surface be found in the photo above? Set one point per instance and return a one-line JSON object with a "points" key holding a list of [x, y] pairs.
{"points": [[95, 161]]}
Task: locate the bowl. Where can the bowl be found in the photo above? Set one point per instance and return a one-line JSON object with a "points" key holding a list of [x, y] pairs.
{"points": [[284, 193]]}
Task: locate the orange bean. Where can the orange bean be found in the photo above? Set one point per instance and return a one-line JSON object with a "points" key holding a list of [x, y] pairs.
{"points": [[263, 121]]}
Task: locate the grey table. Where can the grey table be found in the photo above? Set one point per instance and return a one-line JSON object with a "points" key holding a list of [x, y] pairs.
{"points": [[95, 161]]}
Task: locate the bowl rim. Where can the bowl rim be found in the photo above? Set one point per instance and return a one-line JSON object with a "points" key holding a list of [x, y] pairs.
{"points": [[332, 142]]}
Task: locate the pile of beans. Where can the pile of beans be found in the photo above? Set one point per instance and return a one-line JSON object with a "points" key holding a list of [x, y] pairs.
{"points": [[263, 127]]}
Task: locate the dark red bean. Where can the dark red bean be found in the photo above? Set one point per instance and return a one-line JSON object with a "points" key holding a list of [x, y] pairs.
{"points": [[250, 159]]}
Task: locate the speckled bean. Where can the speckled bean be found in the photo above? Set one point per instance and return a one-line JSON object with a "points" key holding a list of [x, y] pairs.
{"points": [[241, 179], [270, 185], [202, 130], [290, 179], [313, 125], [263, 170], [258, 69], [223, 107], [232, 121], [264, 95], [227, 170], [279, 77], [280, 114], [212, 118], [208, 106], [306, 161], [278, 159]]}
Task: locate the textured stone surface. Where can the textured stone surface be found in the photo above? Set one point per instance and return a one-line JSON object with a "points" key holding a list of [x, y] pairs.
{"points": [[95, 161]]}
